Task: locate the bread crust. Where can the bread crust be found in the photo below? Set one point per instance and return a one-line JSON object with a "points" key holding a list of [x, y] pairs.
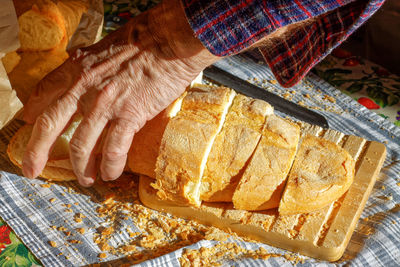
{"points": [[233, 147], [143, 153], [56, 170], [42, 27], [187, 141], [268, 167], [321, 173]]}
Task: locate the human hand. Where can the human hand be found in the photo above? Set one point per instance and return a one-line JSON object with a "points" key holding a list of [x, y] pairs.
{"points": [[118, 83]]}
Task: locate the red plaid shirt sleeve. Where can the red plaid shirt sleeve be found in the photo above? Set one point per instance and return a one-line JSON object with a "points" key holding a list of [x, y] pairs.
{"points": [[226, 27]]}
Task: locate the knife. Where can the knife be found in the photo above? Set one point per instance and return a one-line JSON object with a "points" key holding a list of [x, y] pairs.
{"points": [[223, 77]]}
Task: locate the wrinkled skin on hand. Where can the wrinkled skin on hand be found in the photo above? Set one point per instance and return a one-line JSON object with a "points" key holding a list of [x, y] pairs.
{"points": [[118, 83]]}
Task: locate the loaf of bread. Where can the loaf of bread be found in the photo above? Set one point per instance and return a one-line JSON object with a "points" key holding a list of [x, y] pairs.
{"points": [[217, 146], [44, 31], [42, 27]]}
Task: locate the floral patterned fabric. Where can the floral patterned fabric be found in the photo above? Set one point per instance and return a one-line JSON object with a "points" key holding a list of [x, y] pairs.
{"points": [[12, 251], [368, 83]]}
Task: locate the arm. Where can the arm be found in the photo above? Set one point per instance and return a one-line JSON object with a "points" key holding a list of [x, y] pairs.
{"points": [[119, 83]]}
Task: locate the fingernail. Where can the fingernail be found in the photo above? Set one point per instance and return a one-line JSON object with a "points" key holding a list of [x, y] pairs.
{"points": [[107, 178], [86, 182]]}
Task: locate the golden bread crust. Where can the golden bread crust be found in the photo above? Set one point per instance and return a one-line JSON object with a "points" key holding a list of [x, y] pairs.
{"points": [[186, 143], [269, 166], [143, 153], [232, 148], [321, 173]]}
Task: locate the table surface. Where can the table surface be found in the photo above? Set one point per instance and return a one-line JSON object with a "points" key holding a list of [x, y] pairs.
{"points": [[367, 83]]}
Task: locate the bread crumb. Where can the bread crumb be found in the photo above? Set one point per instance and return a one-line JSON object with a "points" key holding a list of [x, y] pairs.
{"points": [[67, 233], [273, 81], [104, 246], [81, 230], [53, 244], [102, 255], [329, 98], [51, 200], [45, 185]]}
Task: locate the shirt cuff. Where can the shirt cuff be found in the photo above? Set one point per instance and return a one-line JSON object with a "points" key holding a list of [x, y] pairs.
{"points": [[292, 55], [226, 27]]}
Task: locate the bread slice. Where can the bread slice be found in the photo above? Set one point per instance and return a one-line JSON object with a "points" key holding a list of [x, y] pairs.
{"points": [[268, 167], [321, 173], [42, 27], [187, 141], [232, 148], [142, 156], [61, 169], [58, 167]]}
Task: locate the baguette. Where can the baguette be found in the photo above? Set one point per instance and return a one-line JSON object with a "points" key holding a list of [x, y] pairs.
{"points": [[45, 30], [175, 146], [42, 27]]}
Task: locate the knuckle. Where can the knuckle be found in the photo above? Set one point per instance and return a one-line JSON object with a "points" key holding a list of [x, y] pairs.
{"points": [[45, 123], [71, 98], [85, 78], [125, 127], [109, 89], [31, 155], [78, 149], [95, 115], [114, 155]]}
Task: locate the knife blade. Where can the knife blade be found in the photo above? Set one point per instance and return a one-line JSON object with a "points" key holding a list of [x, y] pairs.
{"points": [[225, 78]]}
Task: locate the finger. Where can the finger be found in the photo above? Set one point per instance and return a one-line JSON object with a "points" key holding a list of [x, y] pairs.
{"points": [[47, 128], [83, 146], [52, 87], [115, 149]]}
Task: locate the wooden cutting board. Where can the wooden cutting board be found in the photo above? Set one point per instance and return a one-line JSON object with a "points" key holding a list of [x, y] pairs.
{"points": [[323, 234]]}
